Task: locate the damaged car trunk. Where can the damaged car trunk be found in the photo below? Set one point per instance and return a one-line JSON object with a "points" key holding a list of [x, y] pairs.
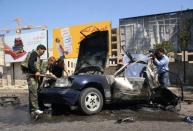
{"points": [[89, 88], [145, 88]]}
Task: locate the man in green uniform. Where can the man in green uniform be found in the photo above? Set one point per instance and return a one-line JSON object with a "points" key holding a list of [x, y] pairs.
{"points": [[33, 79]]}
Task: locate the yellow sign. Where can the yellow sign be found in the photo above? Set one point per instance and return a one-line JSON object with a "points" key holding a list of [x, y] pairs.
{"points": [[70, 37]]}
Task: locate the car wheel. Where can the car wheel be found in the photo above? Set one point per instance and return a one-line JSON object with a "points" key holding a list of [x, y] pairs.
{"points": [[91, 101]]}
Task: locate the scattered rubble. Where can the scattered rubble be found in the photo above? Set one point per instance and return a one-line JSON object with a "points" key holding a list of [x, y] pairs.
{"points": [[5, 100]]}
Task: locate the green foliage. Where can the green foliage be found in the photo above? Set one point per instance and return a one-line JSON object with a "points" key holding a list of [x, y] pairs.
{"points": [[185, 33], [165, 45]]}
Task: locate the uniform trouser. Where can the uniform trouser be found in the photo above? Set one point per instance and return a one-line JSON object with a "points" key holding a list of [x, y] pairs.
{"points": [[33, 94], [163, 79]]}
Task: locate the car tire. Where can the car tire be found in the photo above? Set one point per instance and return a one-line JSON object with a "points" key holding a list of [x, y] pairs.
{"points": [[90, 101]]}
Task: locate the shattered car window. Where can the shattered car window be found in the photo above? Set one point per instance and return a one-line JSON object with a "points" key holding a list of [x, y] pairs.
{"points": [[135, 69]]}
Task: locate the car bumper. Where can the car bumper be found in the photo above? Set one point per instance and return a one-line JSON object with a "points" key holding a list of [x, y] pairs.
{"points": [[59, 96]]}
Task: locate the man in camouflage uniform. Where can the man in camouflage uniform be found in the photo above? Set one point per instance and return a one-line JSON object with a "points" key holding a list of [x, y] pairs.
{"points": [[33, 79]]}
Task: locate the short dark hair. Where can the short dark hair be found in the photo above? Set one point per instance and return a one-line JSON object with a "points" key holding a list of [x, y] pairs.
{"points": [[161, 50], [41, 47]]}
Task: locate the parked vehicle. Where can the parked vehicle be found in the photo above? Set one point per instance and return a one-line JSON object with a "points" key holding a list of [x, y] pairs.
{"points": [[89, 88]]}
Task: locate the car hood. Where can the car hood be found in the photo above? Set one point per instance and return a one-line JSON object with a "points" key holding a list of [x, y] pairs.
{"points": [[93, 53]]}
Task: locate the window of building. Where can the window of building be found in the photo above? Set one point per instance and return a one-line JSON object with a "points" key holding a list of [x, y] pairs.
{"points": [[68, 63], [71, 64], [190, 57], [114, 46], [114, 53], [114, 31], [114, 38]]}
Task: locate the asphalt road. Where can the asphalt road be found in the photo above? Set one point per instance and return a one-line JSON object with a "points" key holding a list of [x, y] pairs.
{"points": [[116, 117]]}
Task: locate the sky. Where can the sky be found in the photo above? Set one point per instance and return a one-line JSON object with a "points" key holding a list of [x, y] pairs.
{"points": [[63, 13]]}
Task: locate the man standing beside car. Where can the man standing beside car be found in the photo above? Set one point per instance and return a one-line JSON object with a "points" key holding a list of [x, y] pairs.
{"points": [[161, 62], [34, 67]]}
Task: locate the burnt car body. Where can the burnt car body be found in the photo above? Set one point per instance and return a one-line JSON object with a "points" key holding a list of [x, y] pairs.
{"points": [[89, 88]]}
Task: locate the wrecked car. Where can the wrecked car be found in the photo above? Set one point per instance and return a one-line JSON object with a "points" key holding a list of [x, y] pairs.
{"points": [[90, 88]]}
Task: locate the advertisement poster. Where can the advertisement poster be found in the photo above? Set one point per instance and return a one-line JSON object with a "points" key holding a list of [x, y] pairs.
{"points": [[69, 38], [16, 47], [1, 50]]}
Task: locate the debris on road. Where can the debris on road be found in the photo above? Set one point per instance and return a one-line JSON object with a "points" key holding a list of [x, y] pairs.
{"points": [[128, 119], [4, 100], [188, 119]]}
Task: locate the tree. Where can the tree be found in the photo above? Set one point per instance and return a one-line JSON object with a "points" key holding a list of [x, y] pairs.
{"points": [[184, 39], [165, 45], [185, 33]]}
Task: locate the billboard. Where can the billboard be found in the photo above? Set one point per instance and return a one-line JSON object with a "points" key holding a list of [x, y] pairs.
{"points": [[1, 50], [16, 47], [70, 37]]}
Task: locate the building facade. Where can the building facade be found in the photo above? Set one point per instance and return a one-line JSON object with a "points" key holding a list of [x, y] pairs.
{"points": [[70, 65], [116, 55], [172, 31], [139, 34]]}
